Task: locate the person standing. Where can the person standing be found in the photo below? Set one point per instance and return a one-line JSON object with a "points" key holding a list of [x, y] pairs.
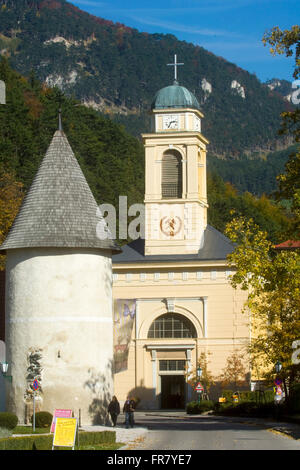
{"points": [[114, 410], [128, 409]]}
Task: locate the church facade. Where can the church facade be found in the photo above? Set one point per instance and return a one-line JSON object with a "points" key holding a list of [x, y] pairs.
{"points": [[173, 302]]}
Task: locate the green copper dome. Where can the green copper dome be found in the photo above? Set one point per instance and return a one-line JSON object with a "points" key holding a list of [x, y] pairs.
{"points": [[174, 96]]}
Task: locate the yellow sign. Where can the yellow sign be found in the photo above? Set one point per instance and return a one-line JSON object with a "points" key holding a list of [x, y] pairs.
{"points": [[65, 432], [222, 400]]}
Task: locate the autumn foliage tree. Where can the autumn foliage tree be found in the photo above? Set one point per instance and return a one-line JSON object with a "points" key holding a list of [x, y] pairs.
{"points": [[11, 196], [272, 280], [288, 42], [207, 379], [234, 373]]}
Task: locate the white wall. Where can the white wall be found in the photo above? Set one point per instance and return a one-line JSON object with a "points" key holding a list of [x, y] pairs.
{"points": [[60, 301]]}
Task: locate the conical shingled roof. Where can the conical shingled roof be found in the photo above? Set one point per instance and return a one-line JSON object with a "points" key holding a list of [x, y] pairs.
{"points": [[59, 209]]}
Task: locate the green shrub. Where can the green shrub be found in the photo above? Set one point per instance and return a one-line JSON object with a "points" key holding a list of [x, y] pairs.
{"points": [[228, 395], [43, 419], [250, 409], [248, 396], [269, 396], [194, 407], [45, 442], [8, 420]]}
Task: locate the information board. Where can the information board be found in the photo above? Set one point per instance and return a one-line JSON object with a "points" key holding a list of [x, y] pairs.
{"points": [[65, 432], [60, 413]]}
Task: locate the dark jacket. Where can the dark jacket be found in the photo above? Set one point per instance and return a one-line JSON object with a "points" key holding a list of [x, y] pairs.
{"points": [[114, 407], [128, 406]]}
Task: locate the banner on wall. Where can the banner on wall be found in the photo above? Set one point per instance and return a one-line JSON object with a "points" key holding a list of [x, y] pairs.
{"points": [[124, 315]]}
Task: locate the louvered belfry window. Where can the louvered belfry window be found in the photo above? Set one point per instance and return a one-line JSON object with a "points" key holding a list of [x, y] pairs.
{"points": [[171, 175]]}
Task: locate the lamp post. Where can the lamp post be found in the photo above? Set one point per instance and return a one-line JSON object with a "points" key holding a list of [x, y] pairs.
{"points": [[199, 375], [4, 369], [278, 367]]}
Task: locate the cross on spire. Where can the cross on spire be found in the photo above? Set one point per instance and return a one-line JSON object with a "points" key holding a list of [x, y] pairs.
{"points": [[175, 65]]}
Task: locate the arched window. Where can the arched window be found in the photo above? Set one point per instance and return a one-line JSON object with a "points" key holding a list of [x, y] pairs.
{"points": [[172, 326], [171, 185]]}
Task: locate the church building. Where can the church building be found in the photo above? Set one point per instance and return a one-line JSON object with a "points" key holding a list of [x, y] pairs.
{"points": [[173, 302], [89, 320]]}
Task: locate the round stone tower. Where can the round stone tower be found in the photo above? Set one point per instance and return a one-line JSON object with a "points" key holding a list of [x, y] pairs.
{"points": [[59, 294]]}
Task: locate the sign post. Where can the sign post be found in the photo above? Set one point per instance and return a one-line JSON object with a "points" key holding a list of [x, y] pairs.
{"points": [[35, 387], [199, 389]]}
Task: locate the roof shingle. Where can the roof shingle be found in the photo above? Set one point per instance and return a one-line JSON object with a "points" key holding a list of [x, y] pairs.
{"points": [[59, 209]]}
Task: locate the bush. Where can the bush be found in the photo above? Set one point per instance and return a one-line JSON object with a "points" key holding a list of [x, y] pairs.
{"points": [[194, 407], [269, 396], [248, 396], [45, 442], [228, 395], [250, 409], [43, 419], [8, 420]]}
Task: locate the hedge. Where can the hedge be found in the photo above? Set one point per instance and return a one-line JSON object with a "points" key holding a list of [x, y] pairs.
{"points": [[8, 420], [194, 407], [249, 396], [44, 442], [43, 419]]}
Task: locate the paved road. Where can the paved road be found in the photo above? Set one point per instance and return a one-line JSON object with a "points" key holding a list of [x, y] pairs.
{"points": [[169, 431]]}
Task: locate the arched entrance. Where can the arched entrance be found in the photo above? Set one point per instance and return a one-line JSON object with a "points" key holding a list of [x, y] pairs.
{"points": [[172, 358]]}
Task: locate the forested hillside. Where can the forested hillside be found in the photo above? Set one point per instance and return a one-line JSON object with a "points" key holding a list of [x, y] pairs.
{"points": [[258, 176], [111, 159], [118, 70]]}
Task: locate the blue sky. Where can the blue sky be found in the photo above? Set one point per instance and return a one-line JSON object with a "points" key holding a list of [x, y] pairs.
{"points": [[232, 29]]}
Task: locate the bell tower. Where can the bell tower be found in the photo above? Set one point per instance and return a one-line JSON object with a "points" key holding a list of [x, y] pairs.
{"points": [[175, 179]]}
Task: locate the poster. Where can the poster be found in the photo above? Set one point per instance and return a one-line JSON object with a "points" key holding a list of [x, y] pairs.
{"points": [[124, 316], [60, 413], [65, 432]]}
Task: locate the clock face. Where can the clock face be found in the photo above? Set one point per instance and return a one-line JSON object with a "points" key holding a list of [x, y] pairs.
{"points": [[171, 121], [170, 226]]}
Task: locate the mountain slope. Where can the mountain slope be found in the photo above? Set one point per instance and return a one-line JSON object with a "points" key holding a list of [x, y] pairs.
{"points": [[111, 160], [117, 69]]}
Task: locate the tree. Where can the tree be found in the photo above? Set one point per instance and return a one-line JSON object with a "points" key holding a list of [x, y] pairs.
{"points": [[11, 196], [288, 42], [272, 280], [234, 373], [206, 378]]}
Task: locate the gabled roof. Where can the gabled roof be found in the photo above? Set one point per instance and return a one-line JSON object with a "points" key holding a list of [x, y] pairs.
{"points": [[59, 209], [215, 247]]}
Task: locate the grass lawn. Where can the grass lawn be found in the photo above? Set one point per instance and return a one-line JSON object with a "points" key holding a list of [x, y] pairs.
{"points": [[28, 430], [112, 446]]}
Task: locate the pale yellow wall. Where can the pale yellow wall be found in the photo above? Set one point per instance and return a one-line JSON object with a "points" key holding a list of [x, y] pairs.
{"points": [[199, 290], [226, 330], [186, 121], [191, 210]]}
